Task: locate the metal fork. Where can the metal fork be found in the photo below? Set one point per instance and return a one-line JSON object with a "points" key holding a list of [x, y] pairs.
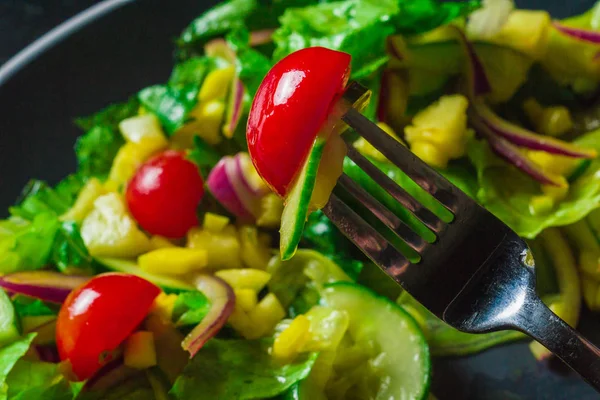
{"points": [[478, 276]]}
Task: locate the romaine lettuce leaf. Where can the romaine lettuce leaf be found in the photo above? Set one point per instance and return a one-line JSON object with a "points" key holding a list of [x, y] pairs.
{"points": [[9, 356], [239, 370], [170, 104], [230, 15], [109, 116], [96, 149], [507, 193], [26, 306], [36, 380], [190, 308]]}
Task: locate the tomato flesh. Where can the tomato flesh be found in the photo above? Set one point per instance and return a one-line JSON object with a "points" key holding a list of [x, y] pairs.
{"points": [[164, 194], [98, 316], [289, 108]]}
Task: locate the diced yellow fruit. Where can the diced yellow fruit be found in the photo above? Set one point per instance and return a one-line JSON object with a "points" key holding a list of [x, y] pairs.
{"points": [[163, 305], [138, 128], [142, 110], [215, 222], [246, 298], [290, 342], [266, 315], [254, 253], [557, 193], [160, 242], [170, 357], [430, 153], [271, 207], [439, 132], [109, 231], [223, 248], [206, 119], [553, 163], [131, 156], [246, 278], [173, 261], [533, 110], [240, 321], [526, 31], [140, 352], [367, 149], [85, 201], [330, 169], [216, 84], [555, 121], [541, 205]]}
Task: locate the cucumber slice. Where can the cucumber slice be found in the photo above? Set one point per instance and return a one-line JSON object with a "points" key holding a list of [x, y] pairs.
{"points": [[402, 362], [297, 203], [169, 285], [9, 324]]}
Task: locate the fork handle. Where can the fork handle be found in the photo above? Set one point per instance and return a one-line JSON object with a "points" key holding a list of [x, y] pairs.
{"points": [[562, 340]]}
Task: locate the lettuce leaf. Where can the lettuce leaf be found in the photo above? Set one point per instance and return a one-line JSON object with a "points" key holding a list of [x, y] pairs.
{"points": [[239, 370], [230, 15], [26, 306], [9, 356], [33, 380], [507, 193], [109, 116], [190, 308]]}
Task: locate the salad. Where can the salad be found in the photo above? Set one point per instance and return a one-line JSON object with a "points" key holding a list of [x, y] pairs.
{"points": [[186, 257]]}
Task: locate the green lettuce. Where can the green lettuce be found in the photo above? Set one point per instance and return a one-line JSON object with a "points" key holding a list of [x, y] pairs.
{"points": [[190, 308], [36, 380], [239, 370], [26, 306], [507, 192], [9, 356]]}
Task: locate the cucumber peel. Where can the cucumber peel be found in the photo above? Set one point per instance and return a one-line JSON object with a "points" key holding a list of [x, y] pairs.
{"points": [[296, 209], [403, 362]]}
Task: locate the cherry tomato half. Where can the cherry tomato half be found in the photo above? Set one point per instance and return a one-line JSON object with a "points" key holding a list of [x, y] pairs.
{"points": [[164, 194], [289, 108], [98, 316]]}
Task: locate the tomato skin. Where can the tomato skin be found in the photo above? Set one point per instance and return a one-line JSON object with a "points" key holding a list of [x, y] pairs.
{"points": [[98, 316], [164, 194], [289, 108]]}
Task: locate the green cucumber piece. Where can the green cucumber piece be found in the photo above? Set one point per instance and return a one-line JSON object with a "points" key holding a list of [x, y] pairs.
{"points": [[403, 361], [579, 170], [169, 285], [9, 323], [295, 211]]}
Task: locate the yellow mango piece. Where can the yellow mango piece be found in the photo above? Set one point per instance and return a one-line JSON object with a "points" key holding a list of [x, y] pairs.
{"points": [[170, 357], [223, 248], [140, 352], [206, 120], [215, 222], [138, 128], [173, 261], [557, 193], [85, 201], [541, 205], [216, 84], [160, 242], [553, 163], [246, 278], [163, 305], [109, 231], [290, 342], [246, 298], [330, 169], [271, 208], [240, 321], [254, 253], [526, 31], [131, 156], [367, 149], [266, 315], [439, 132]]}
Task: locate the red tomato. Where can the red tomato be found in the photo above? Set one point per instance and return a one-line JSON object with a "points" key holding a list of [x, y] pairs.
{"points": [[289, 108], [98, 316], [164, 194]]}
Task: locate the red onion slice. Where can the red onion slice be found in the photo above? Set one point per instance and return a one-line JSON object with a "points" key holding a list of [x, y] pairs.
{"points": [[252, 181], [44, 285], [477, 81], [511, 153], [220, 186], [250, 201], [222, 300], [584, 35], [262, 36], [525, 138], [234, 110]]}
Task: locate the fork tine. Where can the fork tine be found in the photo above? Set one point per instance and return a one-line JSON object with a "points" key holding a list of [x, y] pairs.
{"points": [[428, 218], [371, 242], [423, 175], [390, 220]]}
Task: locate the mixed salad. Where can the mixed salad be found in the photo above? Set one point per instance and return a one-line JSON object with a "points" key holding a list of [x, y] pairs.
{"points": [[186, 257]]}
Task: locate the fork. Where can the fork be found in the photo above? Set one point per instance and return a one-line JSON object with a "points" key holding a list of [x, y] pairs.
{"points": [[477, 276]]}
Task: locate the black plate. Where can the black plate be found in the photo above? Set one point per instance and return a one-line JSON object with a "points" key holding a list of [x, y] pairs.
{"points": [[107, 53]]}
